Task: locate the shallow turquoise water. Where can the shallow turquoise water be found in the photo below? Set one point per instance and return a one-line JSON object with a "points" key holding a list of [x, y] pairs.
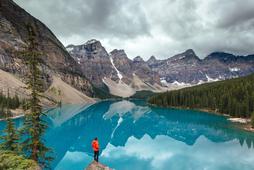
{"points": [[135, 136]]}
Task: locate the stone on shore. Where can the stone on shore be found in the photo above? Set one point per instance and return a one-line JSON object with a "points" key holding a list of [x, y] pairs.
{"points": [[97, 166], [239, 120]]}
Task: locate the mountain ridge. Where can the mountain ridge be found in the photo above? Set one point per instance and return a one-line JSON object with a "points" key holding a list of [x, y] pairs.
{"points": [[181, 70], [120, 74]]}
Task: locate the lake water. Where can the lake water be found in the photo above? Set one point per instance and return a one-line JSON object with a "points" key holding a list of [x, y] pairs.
{"points": [[135, 136]]}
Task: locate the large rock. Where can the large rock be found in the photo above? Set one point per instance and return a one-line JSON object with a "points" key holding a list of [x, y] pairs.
{"points": [[97, 166]]}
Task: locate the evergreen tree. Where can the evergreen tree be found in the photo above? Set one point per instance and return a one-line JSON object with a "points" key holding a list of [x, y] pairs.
{"points": [[234, 97], [11, 137], [13, 103], [252, 120], [34, 126]]}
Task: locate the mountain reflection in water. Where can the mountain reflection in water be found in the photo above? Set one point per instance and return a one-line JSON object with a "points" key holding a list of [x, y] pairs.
{"points": [[133, 134]]}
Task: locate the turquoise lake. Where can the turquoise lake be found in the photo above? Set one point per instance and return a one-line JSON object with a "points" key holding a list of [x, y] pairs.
{"points": [[133, 135]]}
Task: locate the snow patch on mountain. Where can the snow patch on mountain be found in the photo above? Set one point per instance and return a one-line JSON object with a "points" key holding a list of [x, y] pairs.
{"points": [[164, 82], [180, 83], [182, 57], [118, 72], [201, 82], [234, 69], [69, 49], [78, 60], [92, 41], [209, 79], [175, 85]]}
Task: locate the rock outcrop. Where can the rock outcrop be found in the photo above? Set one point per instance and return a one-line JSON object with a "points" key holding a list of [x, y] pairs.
{"points": [[97, 166]]}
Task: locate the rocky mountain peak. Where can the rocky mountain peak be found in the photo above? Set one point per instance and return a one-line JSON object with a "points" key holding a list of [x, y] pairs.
{"points": [[119, 55], [151, 61], [70, 47], [152, 58], [92, 41], [138, 59], [92, 46], [118, 52], [187, 55], [92, 49], [189, 52], [221, 56]]}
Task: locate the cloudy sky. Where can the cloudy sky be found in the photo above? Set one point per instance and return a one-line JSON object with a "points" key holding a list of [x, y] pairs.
{"points": [[145, 27]]}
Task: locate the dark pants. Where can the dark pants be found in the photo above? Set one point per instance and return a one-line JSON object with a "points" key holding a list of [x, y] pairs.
{"points": [[96, 156]]}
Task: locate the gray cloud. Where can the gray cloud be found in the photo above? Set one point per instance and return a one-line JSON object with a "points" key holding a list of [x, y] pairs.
{"points": [[235, 13], [143, 27], [86, 17]]}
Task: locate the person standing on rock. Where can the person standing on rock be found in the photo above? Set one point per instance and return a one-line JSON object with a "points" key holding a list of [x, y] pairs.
{"points": [[96, 148]]}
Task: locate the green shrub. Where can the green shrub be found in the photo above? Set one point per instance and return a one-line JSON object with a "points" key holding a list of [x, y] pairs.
{"points": [[11, 161]]}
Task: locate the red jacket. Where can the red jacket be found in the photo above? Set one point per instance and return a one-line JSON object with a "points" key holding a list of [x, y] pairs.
{"points": [[95, 145]]}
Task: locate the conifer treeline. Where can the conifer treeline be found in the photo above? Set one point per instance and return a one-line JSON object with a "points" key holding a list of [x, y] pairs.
{"points": [[29, 142], [234, 97], [12, 102]]}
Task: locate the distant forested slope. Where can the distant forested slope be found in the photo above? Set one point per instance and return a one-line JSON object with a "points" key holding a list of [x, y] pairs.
{"points": [[11, 102], [234, 97]]}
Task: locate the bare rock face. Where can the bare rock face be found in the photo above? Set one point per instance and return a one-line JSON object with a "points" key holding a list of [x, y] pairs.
{"points": [[144, 72], [181, 67], [123, 64], [97, 64], [121, 75], [55, 58], [137, 66], [94, 61], [227, 65]]}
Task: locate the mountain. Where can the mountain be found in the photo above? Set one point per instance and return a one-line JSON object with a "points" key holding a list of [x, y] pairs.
{"points": [[229, 65], [124, 77], [182, 67], [186, 69], [234, 97], [121, 75], [55, 60], [152, 61], [94, 61]]}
